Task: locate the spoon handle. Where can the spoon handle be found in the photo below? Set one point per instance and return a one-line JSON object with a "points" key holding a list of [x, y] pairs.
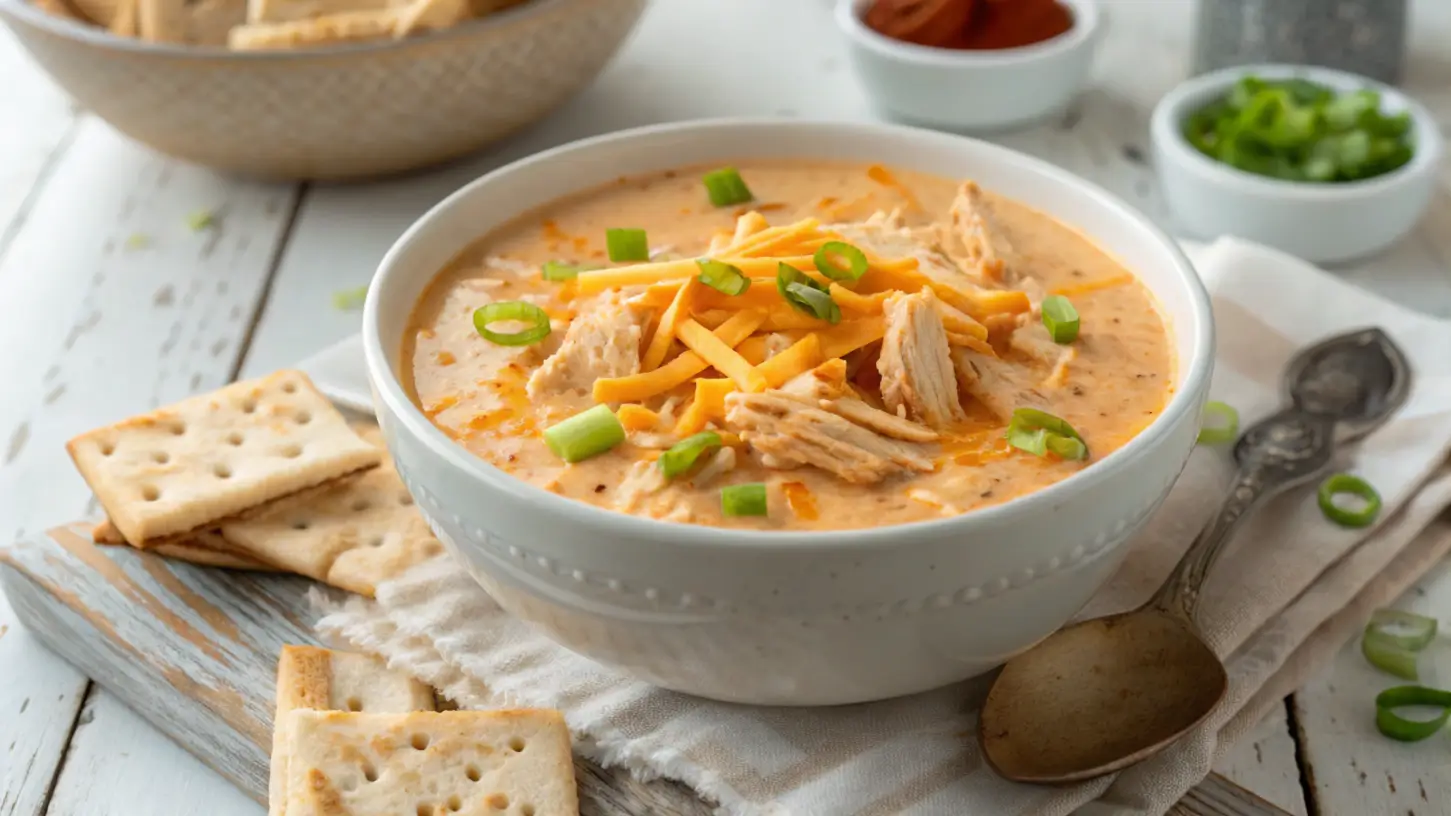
{"points": [[1180, 591], [1277, 453]]}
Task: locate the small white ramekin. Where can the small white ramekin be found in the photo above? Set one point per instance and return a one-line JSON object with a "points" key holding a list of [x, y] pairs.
{"points": [[1322, 223], [972, 90]]}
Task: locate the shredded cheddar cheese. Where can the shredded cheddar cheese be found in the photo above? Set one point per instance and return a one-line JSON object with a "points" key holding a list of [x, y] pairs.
{"points": [[679, 309], [677, 372], [1084, 288], [637, 417], [801, 357], [709, 406], [721, 356]]}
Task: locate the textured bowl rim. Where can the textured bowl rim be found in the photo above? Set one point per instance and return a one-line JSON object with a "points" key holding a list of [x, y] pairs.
{"points": [[389, 391], [1087, 19], [1169, 114], [101, 38]]}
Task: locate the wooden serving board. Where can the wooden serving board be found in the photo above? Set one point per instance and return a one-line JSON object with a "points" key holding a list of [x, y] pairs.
{"points": [[194, 651]]}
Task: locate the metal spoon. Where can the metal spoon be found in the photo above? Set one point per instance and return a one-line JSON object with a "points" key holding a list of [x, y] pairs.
{"points": [[1103, 694]]}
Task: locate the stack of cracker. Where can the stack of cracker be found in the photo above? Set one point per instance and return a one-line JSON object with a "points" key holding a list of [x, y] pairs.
{"points": [[251, 25], [264, 474], [351, 737]]}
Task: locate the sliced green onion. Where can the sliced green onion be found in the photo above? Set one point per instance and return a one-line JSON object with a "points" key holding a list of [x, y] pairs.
{"points": [[683, 454], [723, 277], [1399, 728], [726, 187], [1220, 423], [1385, 655], [816, 302], [561, 271], [743, 499], [588, 433], [346, 300], [1297, 130], [626, 244], [1346, 484], [1061, 319], [200, 220], [805, 294], [1040, 433], [1405, 629], [1393, 639], [840, 261], [520, 310]]}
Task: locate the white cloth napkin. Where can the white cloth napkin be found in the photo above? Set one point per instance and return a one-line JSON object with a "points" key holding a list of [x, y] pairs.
{"points": [[1282, 599]]}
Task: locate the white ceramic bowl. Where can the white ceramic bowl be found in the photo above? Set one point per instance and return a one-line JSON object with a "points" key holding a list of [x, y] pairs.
{"points": [[1322, 223], [972, 90], [787, 618]]}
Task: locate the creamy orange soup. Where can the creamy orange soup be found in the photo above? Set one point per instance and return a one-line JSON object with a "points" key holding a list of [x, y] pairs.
{"points": [[900, 410]]}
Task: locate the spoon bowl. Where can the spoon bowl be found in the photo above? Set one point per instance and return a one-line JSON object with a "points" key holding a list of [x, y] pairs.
{"points": [[1099, 696]]}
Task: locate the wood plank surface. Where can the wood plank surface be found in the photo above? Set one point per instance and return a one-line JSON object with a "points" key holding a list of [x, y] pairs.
{"points": [[1264, 762], [194, 652], [96, 330], [1355, 770]]}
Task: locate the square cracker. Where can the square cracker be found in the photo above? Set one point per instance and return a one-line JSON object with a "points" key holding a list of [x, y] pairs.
{"points": [[351, 534], [204, 549], [209, 457], [437, 763], [321, 679]]}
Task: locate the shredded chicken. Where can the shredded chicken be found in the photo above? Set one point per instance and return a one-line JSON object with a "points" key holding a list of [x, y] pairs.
{"points": [[724, 461], [977, 237], [777, 342], [825, 382], [603, 341], [1033, 341], [641, 481], [999, 385], [826, 387], [789, 431], [880, 421], [916, 364]]}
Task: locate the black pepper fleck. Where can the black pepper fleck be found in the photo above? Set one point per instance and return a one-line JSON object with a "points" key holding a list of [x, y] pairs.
{"points": [[599, 488], [1133, 154]]}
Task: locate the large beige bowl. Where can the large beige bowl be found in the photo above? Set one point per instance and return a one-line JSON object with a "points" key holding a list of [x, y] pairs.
{"points": [[339, 112]]}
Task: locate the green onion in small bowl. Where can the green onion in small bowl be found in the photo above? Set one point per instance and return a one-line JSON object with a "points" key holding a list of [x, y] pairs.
{"points": [[1300, 130]]}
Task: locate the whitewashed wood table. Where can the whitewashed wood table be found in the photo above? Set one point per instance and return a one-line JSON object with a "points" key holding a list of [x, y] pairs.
{"points": [[96, 324]]}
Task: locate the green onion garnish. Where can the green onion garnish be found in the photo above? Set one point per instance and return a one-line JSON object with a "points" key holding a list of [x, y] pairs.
{"points": [[200, 220], [1399, 728], [1061, 319], [805, 294], [561, 271], [1393, 638], [347, 300], [1344, 484], [1405, 629], [588, 433], [1297, 130], [723, 277], [520, 310], [683, 454], [1220, 423], [1040, 433], [626, 244], [726, 187], [743, 499], [840, 261]]}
